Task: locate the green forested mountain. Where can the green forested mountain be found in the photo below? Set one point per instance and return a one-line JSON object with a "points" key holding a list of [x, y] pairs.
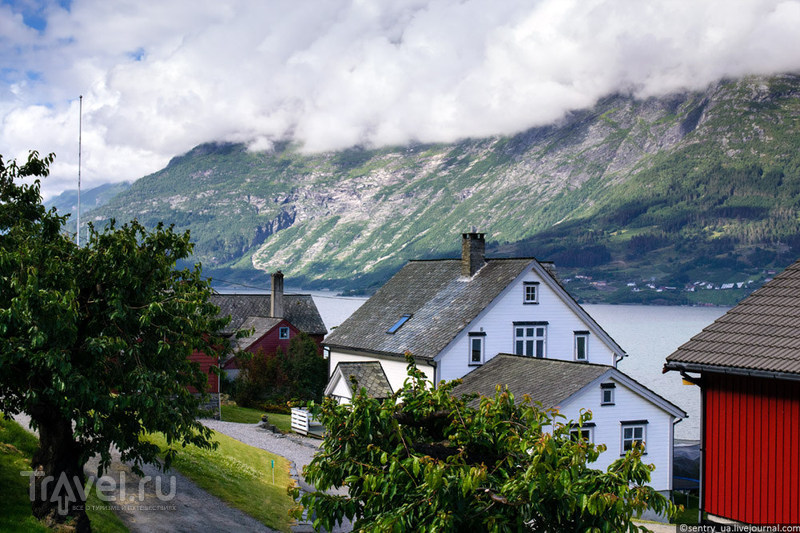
{"points": [[694, 187], [67, 201]]}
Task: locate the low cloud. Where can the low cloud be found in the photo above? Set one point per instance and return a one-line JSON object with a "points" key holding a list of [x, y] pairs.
{"points": [[160, 78]]}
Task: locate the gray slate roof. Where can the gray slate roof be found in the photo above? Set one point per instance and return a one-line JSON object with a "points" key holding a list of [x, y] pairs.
{"points": [[370, 375], [299, 309], [548, 381], [761, 334], [440, 300]]}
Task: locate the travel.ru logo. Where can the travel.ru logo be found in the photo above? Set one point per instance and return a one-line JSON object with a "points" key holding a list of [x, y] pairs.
{"points": [[64, 492]]}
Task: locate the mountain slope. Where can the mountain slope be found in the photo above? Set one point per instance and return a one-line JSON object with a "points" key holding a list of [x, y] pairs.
{"points": [[67, 201], [616, 190]]}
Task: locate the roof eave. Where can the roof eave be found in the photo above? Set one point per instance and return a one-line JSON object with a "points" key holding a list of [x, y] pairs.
{"points": [[679, 366], [568, 299], [377, 353]]}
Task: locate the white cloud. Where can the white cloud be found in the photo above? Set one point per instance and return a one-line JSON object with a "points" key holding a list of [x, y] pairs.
{"points": [[161, 77]]}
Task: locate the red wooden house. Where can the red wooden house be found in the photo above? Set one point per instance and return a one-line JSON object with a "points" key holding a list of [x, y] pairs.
{"points": [[275, 319], [747, 364]]}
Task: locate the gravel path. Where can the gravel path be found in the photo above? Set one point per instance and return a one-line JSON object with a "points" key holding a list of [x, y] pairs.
{"points": [[190, 509], [297, 449]]}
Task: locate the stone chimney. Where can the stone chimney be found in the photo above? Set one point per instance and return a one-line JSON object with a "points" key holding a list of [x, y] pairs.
{"points": [[276, 309], [473, 251], [550, 267]]}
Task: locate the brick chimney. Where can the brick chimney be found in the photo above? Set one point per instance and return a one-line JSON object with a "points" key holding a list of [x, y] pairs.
{"points": [[473, 250], [276, 309]]}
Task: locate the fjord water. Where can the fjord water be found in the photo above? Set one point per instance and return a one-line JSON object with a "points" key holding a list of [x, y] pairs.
{"points": [[648, 334]]}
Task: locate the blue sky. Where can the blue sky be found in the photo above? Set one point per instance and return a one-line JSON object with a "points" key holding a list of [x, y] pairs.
{"points": [[161, 77]]}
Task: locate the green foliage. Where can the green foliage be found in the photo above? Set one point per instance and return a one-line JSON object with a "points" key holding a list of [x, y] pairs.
{"points": [[424, 460], [94, 341], [270, 380]]}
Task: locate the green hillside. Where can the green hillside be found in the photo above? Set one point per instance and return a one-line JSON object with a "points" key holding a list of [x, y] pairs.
{"points": [[67, 201], [670, 192]]}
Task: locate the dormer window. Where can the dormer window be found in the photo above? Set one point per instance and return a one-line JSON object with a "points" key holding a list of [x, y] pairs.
{"points": [[530, 294], [399, 324]]}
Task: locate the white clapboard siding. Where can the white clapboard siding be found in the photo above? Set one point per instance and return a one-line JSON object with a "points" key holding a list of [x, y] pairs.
{"points": [[497, 322], [628, 406], [396, 369]]}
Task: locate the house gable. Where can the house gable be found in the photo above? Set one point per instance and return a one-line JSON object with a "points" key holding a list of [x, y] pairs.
{"points": [[551, 325], [368, 375]]}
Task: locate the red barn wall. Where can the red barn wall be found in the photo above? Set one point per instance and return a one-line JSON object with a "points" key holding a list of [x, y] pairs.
{"points": [[206, 362], [752, 449]]}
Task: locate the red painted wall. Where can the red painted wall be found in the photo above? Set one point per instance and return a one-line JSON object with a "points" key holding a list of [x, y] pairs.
{"points": [[752, 449], [269, 343], [206, 362]]}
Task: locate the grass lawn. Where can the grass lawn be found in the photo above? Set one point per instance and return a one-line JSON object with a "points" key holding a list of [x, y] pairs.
{"points": [[239, 475], [691, 504], [16, 449], [245, 415]]}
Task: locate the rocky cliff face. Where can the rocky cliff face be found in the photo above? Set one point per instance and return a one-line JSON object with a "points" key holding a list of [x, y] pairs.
{"points": [[350, 218]]}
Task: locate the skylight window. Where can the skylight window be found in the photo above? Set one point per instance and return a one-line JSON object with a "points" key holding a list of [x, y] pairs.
{"points": [[398, 324]]}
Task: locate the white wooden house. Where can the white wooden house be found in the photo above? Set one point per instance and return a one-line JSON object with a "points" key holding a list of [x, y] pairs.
{"points": [[623, 411], [456, 315]]}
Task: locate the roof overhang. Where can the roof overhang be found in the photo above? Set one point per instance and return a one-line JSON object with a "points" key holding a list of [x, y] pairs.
{"points": [[717, 369], [376, 353], [630, 383]]}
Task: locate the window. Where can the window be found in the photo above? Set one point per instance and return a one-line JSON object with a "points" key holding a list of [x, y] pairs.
{"points": [[530, 338], [397, 325], [283, 333], [530, 293], [476, 348], [585, 432], [607, 393], [634, 431], [581, 345], [326, 353]]}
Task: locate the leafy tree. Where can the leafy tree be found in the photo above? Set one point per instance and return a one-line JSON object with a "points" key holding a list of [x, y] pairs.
{"points": [[298, 373], [424, 460], [94, 340], [306, 369]]}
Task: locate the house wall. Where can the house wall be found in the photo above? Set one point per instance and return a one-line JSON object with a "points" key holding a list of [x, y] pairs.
{"points": [[628, 406], [752, 449], [206, 362], [267, 344], [497, 322], [396, 369]]}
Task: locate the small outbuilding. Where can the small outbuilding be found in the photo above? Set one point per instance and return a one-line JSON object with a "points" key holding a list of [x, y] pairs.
{"points": [[747, 364]]}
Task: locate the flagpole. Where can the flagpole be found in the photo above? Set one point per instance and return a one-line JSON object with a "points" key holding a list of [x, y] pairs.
{"points": [[80, 132]]}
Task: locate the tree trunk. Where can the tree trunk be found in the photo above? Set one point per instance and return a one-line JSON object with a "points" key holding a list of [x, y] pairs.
{"points": [[57, 494]]}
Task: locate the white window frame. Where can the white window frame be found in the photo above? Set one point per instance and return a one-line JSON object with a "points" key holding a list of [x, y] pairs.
{"points": [[607, 388], [530, 292], [481, 339], [632, 426], [284, 332], [580, 430], [530, 339], [585, 336]]}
